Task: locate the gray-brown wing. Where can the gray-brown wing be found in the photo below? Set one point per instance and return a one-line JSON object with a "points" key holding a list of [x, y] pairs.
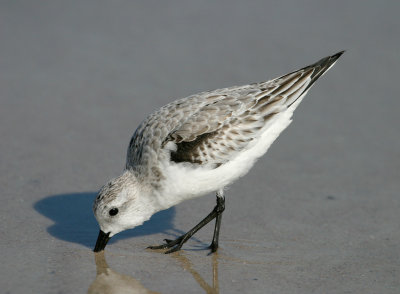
{"points": [[211, 127]]}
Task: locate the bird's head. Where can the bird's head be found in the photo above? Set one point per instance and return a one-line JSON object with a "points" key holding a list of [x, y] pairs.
{"points": [[123, 203]]}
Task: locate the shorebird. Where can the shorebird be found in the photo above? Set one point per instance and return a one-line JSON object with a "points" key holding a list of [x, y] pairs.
{"points": [[197, 145]]}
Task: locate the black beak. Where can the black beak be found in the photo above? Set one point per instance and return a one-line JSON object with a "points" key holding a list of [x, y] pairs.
{"points": [[102, 240]]}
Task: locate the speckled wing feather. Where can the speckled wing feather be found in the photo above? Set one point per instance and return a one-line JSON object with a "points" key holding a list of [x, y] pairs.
{"points": [[210, 128]]}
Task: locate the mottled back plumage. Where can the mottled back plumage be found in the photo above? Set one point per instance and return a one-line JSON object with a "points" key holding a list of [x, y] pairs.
{"points": [[209, 128]]}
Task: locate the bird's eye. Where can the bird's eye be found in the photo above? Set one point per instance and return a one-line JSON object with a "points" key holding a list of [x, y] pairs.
{"points": [[113, 211]]}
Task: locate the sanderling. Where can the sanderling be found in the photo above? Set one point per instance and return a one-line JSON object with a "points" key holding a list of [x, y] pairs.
{"points": [[197, 145]]}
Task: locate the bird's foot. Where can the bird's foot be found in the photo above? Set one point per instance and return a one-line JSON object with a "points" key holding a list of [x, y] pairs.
{"points": [[175, 245], [213, 246]]}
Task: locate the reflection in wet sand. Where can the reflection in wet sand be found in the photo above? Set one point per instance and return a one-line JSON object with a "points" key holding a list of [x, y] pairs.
{"points": [[109, 281], [187, 266]]}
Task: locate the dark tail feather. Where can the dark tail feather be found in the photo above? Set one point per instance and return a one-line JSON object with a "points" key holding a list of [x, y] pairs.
{"points": [[320, 67]]}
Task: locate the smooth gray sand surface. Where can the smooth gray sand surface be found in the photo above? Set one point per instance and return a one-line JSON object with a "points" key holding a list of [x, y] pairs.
{"points": [[320, 213]]}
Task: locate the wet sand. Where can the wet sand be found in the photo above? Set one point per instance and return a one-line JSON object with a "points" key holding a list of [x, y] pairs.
{"points": [[319, 213]]}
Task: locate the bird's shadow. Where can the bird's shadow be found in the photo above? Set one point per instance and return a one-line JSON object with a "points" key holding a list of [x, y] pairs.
{"points": [[74, 221]]}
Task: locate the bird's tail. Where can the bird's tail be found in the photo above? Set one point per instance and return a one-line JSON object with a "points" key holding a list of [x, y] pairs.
{"points": [[322, 66], [313, 73]]}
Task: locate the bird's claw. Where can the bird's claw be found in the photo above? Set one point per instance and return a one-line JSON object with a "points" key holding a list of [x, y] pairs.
{"points": [[174, 249], [214, 247], [175, 245], [162, 246]]}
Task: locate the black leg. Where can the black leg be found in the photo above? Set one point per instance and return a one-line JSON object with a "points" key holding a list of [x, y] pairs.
{"points": [[221, 207], [176, 244]]}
